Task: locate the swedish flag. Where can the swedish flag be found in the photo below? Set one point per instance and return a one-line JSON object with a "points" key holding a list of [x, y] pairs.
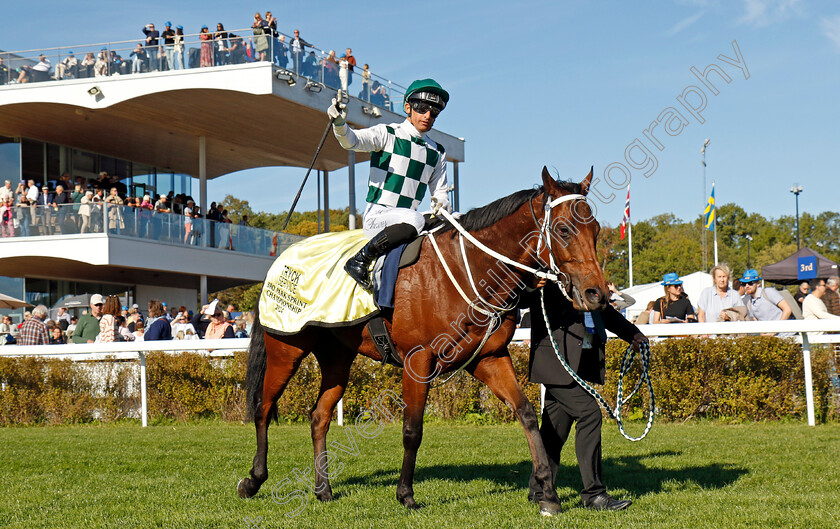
{"points": [[709, 212]]}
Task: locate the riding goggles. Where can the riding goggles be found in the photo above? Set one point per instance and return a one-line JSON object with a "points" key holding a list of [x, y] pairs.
{"points": [[421, 108]]}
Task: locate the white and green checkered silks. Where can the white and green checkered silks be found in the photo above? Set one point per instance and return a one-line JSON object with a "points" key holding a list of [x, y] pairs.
{"points": [[400, 172]]}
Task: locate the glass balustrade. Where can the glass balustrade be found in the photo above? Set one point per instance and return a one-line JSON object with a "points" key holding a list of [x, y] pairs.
{"points": [[199, 50], [100, 217]]}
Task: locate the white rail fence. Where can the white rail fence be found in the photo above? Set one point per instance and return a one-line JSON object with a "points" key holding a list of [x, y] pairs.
{"points": [[806, 332]]}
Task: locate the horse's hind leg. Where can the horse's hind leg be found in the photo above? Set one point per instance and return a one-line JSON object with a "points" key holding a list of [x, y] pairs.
{"points": [[283, 361], [498, 374], [335, 361]]}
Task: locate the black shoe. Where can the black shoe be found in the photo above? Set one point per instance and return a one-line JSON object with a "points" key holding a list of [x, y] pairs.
{"points": [[605, 502], [358, 267]]}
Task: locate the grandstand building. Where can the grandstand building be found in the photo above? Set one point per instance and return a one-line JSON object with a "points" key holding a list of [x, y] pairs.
{"points": [[161, 131]]}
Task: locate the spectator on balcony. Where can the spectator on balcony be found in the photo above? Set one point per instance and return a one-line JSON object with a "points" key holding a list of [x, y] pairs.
{"points": [[4, 73], [329, 65], [236, 49], [87, 329], [7, 216], [179, 48], [351, 64], [60, 201], [138, 58], [102, 66], [298, 47], [43, 218], [188, 222], [23, 210], [152, 45], [84, 211], [206, 39], [157, 326], [116, 222], [96, 210], [86, 65], [6, 190], [281, 50], [161, 208], [41, 71], [33, 331], [68, 67], [344, 73], [221, 48], [261, 37], [118, 66], [169, 46]]}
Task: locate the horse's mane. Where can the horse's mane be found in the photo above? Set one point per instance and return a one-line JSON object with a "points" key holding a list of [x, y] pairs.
{"points": [[486, 216]]}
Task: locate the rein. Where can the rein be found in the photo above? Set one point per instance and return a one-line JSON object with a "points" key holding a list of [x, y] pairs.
{"points": [[626, 363], [497, 310]]}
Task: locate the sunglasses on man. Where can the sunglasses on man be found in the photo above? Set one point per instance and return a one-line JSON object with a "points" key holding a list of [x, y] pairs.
{"points": [[421, 108], [747, 283]]}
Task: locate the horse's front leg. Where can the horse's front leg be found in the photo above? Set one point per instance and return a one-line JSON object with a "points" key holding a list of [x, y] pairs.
{"points": [[335, 372], [415, 389], [498, 374]]}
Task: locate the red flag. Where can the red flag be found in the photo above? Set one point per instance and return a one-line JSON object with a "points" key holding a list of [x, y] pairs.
{"points": [[626, 218]]}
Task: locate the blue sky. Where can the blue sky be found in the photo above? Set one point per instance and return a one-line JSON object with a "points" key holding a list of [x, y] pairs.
{"points": [[562, 84]]}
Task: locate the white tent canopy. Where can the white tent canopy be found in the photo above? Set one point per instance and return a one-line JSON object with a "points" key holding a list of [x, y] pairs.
{"points": [[693, 284]]}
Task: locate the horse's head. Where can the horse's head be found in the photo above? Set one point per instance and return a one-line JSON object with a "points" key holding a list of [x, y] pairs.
{"points": [[573, 231]]}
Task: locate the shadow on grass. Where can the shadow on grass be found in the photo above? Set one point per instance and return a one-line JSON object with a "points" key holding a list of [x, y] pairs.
{"points": [[630, 473]]}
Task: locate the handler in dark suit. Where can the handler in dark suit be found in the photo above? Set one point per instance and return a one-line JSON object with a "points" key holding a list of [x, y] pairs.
{"points": [[566, 401]]}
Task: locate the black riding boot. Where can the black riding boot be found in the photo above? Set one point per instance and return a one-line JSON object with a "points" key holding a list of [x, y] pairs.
{"points": [[358, 266]]}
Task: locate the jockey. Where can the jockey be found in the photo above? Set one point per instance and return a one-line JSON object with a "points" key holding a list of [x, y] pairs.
{"points": [[403, 163]]}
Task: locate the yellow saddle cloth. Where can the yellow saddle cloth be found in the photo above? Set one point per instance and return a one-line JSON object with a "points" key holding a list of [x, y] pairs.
{"points": [[307, 285]]}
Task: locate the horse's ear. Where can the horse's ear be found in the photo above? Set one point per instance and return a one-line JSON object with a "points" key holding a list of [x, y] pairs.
{"points": [[549, 183], [584, 186]]}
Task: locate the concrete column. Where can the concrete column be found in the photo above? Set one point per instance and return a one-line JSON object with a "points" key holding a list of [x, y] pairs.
{"points": [[202, 199], [326, 201], [456, 196], [203, 290], [351, 176]]}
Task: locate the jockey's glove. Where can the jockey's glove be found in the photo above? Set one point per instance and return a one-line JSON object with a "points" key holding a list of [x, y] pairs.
{"points": [[337, 110]]}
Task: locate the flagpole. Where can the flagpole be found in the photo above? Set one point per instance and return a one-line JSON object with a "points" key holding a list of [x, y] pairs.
{"points": [[630, 247], [714, 220]]}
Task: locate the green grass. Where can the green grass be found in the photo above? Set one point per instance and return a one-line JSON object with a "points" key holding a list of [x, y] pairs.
{"points": [[184, 475]]}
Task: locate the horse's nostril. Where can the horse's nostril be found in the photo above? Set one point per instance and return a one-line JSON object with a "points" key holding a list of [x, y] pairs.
{"points": [[593, 295]]}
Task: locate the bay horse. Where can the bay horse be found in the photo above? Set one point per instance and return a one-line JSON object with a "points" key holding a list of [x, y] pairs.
{"points": [[436, 329]]}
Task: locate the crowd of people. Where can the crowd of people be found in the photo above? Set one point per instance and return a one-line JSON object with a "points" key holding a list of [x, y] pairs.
{"points": [[67, 207], [744, 300], [169, 50], [107, 321]]}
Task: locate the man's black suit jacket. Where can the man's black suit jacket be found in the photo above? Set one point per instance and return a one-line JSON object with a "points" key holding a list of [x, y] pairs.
{"points": [[568, 330]]}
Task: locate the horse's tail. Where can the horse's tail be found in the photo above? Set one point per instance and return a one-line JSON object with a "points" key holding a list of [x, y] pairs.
{"points": [[256, 366]]}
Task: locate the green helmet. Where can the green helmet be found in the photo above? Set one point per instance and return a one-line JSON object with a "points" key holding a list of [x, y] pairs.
{"points": [[427, 90]]}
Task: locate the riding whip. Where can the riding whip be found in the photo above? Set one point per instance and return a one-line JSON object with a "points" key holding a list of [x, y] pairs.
{"points": [[317, 152]]}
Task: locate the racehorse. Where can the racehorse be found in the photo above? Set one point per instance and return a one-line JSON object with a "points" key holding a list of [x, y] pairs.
{"points": [[436, 329]]}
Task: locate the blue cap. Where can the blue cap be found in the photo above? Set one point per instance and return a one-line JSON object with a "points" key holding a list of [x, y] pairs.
{"points": [[125, 307], [164, 303], [168, 23], [179, 27], [671, 278], [69, 53], [750, 275], [104, 49], [204, 27]]}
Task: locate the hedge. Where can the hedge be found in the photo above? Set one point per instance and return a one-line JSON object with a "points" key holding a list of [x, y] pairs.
{"points": [[733, 379]]}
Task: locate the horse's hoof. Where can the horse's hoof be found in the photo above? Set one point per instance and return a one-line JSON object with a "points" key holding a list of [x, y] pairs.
{"points": [[549, 508], [325, 496], [242, 489], [409, 503]]}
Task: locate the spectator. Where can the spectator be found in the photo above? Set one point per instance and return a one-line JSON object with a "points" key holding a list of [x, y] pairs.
{"points": [[239, 328], [62, 319], [619, 300], [34, 331], [57, 336], [4, 73], [158, 327], [221, 40], [139, 331], [5, 327], [298, 47], [218, 326], [310, 66], [237, 49], [763, 304], [716, 300], [86, 66], [23, 210], [60, 204], [804, 289], [122, 329], [116, 222], [87, 329], [280, 52], [189, 236], [138, 58], [831, 298], [68, 67], [644, 317], [152, 45], [261, 40], [169, 45], [813, 307], [102, 65], [107, 323], [72, 327], [365, 93], [85, 211], [7, 216], [179, 48], [181, 326], [41, 71], [206, 39], [674, 306]]}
